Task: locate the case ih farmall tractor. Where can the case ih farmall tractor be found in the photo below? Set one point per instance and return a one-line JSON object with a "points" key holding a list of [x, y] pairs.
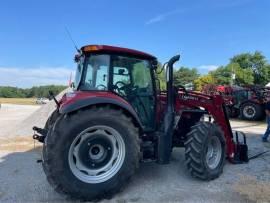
{"points": [[116, 117], [247, 102]]}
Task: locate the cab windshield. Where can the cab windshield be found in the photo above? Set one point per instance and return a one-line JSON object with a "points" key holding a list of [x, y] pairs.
{"points": [[95, 75]]}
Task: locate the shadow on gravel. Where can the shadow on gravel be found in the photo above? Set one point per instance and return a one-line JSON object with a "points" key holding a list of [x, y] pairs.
{"points": [[22, 178]]}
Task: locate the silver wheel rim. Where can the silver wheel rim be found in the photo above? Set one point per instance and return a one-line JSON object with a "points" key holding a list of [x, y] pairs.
{"points": [[249, 111], [214, 152], [96, 154]]}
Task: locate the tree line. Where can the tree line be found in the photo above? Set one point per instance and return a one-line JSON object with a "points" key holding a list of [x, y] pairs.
{"points": [[36, 91], [242, 69]]}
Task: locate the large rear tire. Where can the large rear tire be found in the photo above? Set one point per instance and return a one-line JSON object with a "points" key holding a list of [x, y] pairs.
{"points": [[205, 151], [51, 120], [92, 154], [251, 111]]}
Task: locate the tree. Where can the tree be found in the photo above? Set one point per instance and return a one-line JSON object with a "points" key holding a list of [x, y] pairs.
{"points": [[185, 75], [41, 91], [222, 75], [204, 80], [257, 63], [242, 76]]}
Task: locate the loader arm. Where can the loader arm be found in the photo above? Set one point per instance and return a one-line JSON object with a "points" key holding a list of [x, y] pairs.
{"points": [[215, 106]]}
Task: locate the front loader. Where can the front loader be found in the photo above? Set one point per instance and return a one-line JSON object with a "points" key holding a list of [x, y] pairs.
{"points": [[116, 117]]}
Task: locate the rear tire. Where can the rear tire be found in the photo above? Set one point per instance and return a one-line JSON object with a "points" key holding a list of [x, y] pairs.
{"points": [[251, 111], [51, 120], [113, 143], [205, 151]]}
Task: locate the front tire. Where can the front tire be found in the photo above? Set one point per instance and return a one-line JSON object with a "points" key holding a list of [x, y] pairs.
{"points": [[91, 154], [205, 151]]}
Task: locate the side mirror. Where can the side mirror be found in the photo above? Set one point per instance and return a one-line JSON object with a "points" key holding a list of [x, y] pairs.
{"points": [[51, 95], [77, 58]]}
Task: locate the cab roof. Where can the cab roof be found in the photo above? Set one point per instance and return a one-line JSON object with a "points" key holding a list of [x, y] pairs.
{"points": [[117, 50]]}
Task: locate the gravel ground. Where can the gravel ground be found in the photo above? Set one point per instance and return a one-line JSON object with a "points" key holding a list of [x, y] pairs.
{"points": [[23, 180], [12, 115]]}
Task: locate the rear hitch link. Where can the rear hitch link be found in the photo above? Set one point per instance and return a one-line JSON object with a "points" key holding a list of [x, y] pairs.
{"points": [[42, 132]]}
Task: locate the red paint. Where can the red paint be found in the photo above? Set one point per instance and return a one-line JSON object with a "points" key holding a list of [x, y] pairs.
{"points": [[75, 96], [111, 49]]}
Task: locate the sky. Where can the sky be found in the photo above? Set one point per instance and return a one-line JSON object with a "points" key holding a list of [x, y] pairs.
{"points": [[36, 50]]}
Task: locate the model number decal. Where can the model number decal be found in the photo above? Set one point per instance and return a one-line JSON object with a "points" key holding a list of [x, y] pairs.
{"points": [[187, 97]]}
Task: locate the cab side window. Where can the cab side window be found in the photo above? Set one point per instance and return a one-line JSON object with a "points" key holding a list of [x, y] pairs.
{"points": [[142, 77]]}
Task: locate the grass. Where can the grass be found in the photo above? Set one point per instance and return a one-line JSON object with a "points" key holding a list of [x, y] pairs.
{"points": [[24, 101], [19, 144]]}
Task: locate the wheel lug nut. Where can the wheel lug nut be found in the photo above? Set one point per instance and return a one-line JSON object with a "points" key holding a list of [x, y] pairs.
{"points": [[109, 148], [88, 143], [93, 164]]}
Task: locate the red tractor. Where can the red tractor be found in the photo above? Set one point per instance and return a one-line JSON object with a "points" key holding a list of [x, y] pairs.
{"points": [[246, 102], [117, 117]]}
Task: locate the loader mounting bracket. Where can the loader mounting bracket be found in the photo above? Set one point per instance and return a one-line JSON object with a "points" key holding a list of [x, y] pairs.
{"points": [[241, 149]]}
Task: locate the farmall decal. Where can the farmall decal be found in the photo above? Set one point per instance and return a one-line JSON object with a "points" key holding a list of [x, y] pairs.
{"points": [[188, 97]]}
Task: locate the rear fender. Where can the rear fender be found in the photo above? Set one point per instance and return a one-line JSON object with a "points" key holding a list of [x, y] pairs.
{"points": [[88, 102]]}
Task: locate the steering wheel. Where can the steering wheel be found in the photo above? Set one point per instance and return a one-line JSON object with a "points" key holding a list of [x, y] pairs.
{"points": [[120, 82], [103, 86], [123, 89]]}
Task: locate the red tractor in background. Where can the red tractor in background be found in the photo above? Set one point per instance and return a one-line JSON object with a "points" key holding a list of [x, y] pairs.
{"points": [[116, 117], [246, 102]]}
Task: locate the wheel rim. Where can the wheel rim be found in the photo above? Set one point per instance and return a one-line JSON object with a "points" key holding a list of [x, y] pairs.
{"points": [[214, 152], [96, 154], [249, 111]]}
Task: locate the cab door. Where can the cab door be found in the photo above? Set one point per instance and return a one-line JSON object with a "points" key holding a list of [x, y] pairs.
{"points": [[132, 80], [145, 103]]}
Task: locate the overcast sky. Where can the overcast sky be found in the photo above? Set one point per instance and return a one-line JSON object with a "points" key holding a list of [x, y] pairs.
{"points": [[35, 49]]}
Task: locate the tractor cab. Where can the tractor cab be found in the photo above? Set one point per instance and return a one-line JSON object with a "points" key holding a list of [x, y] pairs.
{"points": [[124, 72]]}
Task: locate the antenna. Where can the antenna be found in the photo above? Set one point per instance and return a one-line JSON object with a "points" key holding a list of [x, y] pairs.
{"points": [[70, 37]]}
